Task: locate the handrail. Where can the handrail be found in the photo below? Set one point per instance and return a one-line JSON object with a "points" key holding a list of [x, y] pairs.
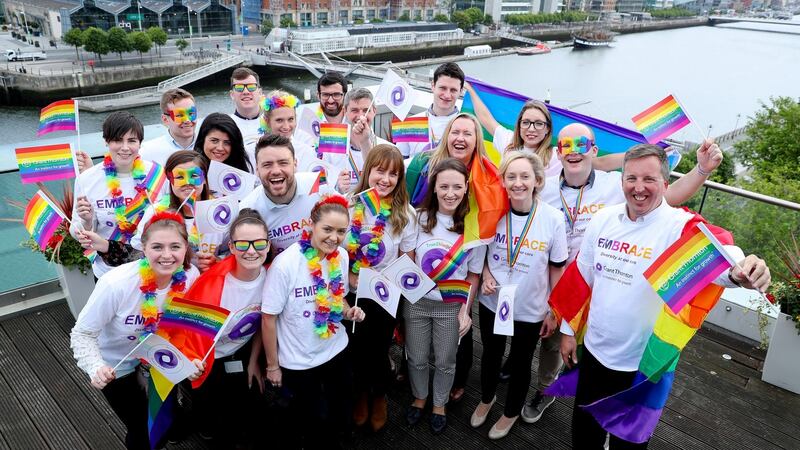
{"points": [[745, 193]]}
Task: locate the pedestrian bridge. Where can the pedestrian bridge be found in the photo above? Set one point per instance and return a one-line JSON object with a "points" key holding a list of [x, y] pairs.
{"points": [[714, 20]]}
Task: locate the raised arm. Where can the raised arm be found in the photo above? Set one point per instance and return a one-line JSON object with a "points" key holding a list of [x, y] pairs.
{"points": [[483, 114], [709, 157]]}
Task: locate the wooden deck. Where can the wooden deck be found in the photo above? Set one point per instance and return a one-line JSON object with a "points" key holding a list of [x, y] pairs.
{"points": [[715, 404]]}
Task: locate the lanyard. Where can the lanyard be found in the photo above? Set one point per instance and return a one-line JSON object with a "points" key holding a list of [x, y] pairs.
{"points": [[513, 251], [353, 164], [571, 217]]}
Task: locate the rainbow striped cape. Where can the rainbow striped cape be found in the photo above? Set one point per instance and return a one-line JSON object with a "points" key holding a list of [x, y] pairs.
{"points": [[633, 414]]}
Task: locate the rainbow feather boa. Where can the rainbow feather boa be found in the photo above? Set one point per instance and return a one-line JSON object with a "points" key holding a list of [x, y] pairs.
{"points": [[358, 258], [149, 287], [329, 296]]}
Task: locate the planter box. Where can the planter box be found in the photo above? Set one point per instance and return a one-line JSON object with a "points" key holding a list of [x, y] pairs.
{"points": [[77, 287], [782, 366], [736, 313]]}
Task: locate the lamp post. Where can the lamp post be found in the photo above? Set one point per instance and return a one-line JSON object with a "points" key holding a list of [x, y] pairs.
{"points": [[189, 18], [139, 12], [736, 127]]}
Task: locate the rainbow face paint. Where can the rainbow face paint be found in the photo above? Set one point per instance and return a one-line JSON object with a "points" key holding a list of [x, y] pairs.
{"points": [[579, 144], [180, 115], [193, 176]]}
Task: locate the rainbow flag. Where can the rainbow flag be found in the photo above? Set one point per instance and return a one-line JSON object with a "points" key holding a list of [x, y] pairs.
{"points": [[137, 205], [203, 319], [451, 261], [159, 410], [334, 138], [685, 268], [322, 179], [90, 254], [413, 129], [154, 181], [661, 120], [488, 203], [371, 200], [58, 116], [454, 291], [42, 218], [505, 106], [46, 163]]}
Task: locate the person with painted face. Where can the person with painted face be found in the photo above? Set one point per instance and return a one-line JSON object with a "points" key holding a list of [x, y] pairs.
{"points": [[447, 86], [437, 319], [331, 88], [179, 116], [124, 308], [246, 94], [374, 241], [186, 172], [279, 116], [219, 139], [303, 307], [103, 192], [528, 256]]}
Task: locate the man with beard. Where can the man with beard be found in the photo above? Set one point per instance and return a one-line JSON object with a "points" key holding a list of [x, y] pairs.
{"points": [[179, 115], [331, 88]]}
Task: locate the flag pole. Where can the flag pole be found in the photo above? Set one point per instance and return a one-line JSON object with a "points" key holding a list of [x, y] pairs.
{"points": [[696, 124], [78, 131]]}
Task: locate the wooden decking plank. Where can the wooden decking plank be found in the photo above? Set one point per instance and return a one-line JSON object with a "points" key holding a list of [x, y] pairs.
{"points": [[63, 317], [17, 430], [740, 363], [57, 342], [42, 408], [740, 344]]}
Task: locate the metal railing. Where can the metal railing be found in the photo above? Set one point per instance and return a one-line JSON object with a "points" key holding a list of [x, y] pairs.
{"points": [[202, 72]]}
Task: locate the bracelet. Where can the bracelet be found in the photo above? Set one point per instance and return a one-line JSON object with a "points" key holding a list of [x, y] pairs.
{"points": [[730, 277], [273, 370], [703, 172]]}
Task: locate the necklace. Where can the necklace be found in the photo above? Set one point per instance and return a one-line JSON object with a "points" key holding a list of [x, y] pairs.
{"points": [[358, 258], [329, 295], [126, 227], [148, 287]]}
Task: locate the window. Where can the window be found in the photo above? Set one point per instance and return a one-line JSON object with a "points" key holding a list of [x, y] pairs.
{"points": [[322, 18], [370, 14], [305, 19]]}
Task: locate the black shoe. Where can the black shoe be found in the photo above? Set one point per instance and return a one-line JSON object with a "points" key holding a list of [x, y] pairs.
{"points": [[413, 414], [438, 423]]}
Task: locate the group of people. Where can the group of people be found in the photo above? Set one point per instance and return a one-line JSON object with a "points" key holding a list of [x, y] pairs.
{"points": [[296, 253]]}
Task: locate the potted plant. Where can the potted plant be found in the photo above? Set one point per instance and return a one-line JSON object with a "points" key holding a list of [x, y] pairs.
{"points": [[73, 268], [782, 365]]}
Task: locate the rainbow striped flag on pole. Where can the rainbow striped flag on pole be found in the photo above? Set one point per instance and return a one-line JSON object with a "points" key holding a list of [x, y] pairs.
{"points": [[413, 129], [454, 291], [159, 410], [58, 116], [661, 120], [205, 320], [46, 163], [334, 138], [42, 218], [371, 200]]}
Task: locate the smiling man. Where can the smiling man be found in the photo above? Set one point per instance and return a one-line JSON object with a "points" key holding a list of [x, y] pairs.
{"points": [[331, 89], [179, 115], [246, 95]]}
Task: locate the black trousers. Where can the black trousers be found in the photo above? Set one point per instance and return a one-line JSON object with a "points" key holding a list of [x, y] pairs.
{"points": [[321, 404], [595, 381], [128, 399], [523, 344], [369, 347]]}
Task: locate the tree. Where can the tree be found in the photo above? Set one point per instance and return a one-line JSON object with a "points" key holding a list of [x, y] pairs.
{"points": [[475, 15], [440, 18], [771, 146], [488, 20], [404, 17], [376, 20], [266, 26], [287, 22], [141, 43], [118, 41], [95, 41], [181, 44], [724, 173], [74, 37], [462, 20], [158, 36]]}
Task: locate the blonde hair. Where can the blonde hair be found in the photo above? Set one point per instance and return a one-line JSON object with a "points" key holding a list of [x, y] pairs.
{"points": [[545, 149], [535, 162], [388, 157], [441, 153]]}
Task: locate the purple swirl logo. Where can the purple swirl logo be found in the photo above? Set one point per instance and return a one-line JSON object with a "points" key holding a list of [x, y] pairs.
{"points": [[222, 214], [431, 259], [165, 359], [410, 281], [496, 257], [599, 267], [504, 311], [232, 181], [306, 314], [315, 128], [381, 291], [247, 326], [398, 95], [364, 240]]}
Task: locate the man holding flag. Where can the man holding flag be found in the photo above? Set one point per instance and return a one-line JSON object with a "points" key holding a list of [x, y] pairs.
{"points": [[605, 299]]}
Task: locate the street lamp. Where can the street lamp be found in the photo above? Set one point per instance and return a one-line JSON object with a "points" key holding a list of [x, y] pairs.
{"points": [[189, 18], [736, 127], [139, 13]]}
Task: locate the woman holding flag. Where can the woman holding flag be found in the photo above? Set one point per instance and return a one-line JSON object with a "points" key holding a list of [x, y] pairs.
{"points": [[441, 317], [104, 192], [374, 241], [186, 171], [525, 260], [126, 307], [303, 306]]}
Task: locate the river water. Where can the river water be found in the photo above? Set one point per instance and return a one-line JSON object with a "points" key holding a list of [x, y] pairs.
{"points": [[720, 74]]}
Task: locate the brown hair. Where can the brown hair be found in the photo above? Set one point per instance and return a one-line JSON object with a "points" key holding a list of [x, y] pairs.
{"points": [[183, 157], [172, 96], [388, 157], [430, 204], [329, 203], [545, 149], [441, 151], [639, 151], [273, 140], [247, 216], [241, 73], [159, 223]]}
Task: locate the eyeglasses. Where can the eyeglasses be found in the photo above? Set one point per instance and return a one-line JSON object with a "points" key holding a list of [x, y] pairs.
{"points": [[537, 125], [579, 144], [329, 95], [192, 176], [258, 245], [180, 115], [239, 87]]}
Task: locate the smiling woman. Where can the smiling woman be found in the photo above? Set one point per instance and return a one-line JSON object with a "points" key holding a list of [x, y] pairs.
{"points": [[219, 139]]}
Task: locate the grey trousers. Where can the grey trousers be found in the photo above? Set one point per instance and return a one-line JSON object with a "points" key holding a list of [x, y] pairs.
{"points": [[431, 322]]}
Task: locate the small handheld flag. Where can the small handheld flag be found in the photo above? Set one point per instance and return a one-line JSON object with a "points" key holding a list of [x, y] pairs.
{"points": [[661, 120], [46, 163], [203, 319], [42, 218], [322, 179], [334, 138], [451, 261], [371, 200], [413, 129], [454, 291], [396, 94], [57, 116]]}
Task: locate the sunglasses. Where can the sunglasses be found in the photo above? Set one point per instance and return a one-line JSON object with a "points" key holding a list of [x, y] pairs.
{"points": [[180, 115], [580, 145], [193, 176], [258, 245], [239, 87]]}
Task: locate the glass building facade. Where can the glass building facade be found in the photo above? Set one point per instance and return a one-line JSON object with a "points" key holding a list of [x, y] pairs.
{"points": [[207, 17]]}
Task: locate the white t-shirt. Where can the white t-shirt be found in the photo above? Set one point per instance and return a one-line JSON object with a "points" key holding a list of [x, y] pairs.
{"points": [[544, 242], [604, 189], [289, 293], [236, 295], [391, 244], [211, 243], [432, 247], [158, 150], [342, 162], [614, 255], [436, 126], [250, 134], [115, 311], [503, 137], [92, 184]]}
